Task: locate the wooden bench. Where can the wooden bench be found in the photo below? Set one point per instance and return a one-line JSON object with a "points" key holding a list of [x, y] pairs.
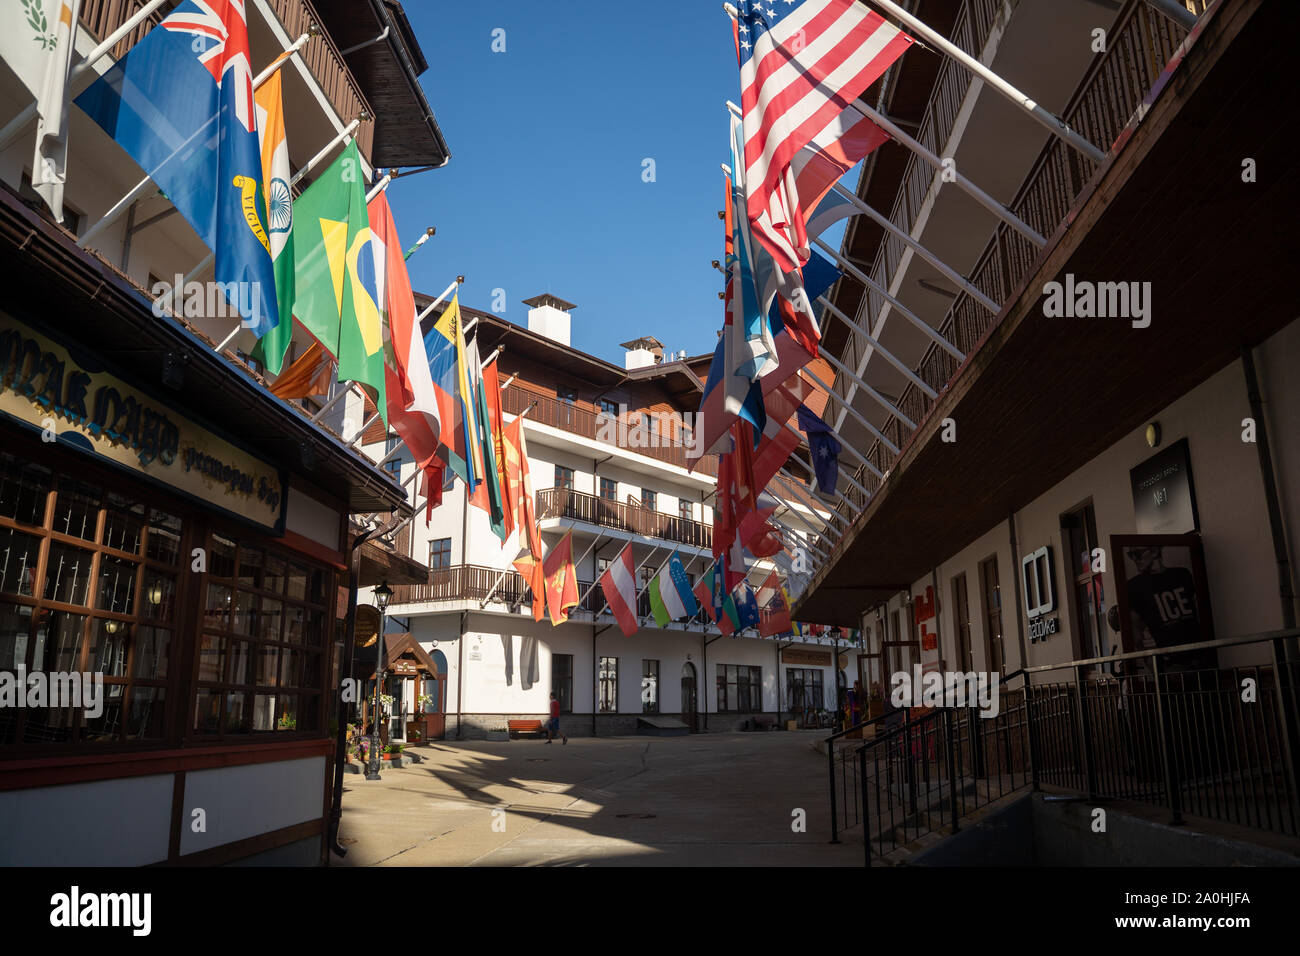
{"points": [[517, 727]]}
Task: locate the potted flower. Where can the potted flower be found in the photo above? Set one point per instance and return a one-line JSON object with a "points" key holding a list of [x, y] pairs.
{"points": [[425, 703], [393, 754]]}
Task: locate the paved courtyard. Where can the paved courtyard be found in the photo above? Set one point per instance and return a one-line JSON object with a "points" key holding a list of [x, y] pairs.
{"points": [[704, 800]]}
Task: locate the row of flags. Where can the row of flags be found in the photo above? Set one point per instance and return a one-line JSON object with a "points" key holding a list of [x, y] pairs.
{"points": [[795, 134], [184, 104]]}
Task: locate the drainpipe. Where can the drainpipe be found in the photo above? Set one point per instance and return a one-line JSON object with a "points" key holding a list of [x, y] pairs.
{"points": [[1276, 526], [938, 632], [1015, 574], [595, 683]]}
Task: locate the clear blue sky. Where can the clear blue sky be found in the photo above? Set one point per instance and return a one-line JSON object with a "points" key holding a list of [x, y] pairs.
{"points": [[544, 190]]}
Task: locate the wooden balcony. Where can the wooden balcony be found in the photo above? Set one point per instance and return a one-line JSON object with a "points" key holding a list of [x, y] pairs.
{"points": [[102, 17], [467, 582], [580, 418], [579, 506], [471, 582]]}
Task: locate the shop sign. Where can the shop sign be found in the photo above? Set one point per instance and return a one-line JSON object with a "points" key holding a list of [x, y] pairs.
{"points": [[1040, 594], [923, 610], [405, 668], [1164, 501], [70, 401], [795, 655]]}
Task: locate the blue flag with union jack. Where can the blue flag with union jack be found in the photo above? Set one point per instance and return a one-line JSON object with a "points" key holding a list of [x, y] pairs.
{"points": [[181, 104]]}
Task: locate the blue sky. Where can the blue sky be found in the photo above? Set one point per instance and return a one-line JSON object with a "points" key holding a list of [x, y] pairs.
{"points": [[544, 190]]}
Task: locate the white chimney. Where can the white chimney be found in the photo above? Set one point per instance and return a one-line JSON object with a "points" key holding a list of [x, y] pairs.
{"points": [[643, 352], [549, 317]]}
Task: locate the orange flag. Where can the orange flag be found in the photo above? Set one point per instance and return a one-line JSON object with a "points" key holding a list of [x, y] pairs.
{"points": [[518, 487], [492, 391], [561, 580]]}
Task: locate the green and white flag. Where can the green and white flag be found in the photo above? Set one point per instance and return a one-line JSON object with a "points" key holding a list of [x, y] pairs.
{"points": [[38, 45]]}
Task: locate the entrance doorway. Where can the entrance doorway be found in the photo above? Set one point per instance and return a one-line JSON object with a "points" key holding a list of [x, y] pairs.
{"points": [[690, 710]]}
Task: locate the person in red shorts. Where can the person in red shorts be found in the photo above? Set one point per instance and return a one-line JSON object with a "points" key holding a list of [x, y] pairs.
{"points": [[553, 725]]}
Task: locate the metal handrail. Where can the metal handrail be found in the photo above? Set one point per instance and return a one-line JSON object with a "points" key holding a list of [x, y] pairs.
{"points": [[1182, 739]]}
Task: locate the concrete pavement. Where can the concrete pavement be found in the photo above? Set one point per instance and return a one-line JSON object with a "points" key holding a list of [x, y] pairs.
{"points": [[702, 800]]}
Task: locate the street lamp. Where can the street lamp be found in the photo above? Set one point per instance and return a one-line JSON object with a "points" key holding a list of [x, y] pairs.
{"points": [[383, 594]]}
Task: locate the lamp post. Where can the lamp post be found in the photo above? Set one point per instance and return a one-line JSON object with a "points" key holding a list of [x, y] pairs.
{"points": [[383, 594]]}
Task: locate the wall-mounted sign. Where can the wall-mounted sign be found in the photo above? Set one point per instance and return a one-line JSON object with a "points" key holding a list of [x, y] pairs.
{"points": [[1164, 500], [43, 387], [924, 610], [1163, 596], [405, 668], [1040, 594], [796, 655]]}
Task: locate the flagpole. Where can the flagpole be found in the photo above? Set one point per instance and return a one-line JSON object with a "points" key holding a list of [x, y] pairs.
{"points": [[1052, 123], [143, 185], [889, 356], [311, 164], [962, 183], [826, 354], [432, 305], [787, 480], [428, 234], [887, 224], [884, 293], [15, 125], [850, 409], [649, 554], [968, 187], [483, 603]]}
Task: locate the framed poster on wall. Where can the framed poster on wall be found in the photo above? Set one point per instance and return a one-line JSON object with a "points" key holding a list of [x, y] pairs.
{"points": [[1163, 597]]}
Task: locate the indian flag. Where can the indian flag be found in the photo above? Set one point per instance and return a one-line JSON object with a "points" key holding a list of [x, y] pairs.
{"points": [[279, 218]]}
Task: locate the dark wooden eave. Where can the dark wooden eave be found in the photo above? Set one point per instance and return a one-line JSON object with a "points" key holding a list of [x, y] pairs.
{"points": [[406, 132], [1040, 397], [87, 303]]}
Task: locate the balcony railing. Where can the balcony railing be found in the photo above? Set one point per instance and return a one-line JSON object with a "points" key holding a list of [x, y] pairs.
{"points": [[579, 506], [466, 582], [1138, 48], [102, 17], [580, 419], [471, 582]]}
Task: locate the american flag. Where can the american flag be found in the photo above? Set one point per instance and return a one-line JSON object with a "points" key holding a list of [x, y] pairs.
{"points": [[801, 68]]}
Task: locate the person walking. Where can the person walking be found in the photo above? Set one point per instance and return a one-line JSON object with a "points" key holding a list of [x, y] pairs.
{"points": [[553, 725]]}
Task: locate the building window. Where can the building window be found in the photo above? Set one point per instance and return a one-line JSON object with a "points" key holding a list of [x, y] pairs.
{"points": [[562, 681], [608, 684], [261, 666], [804, 689], [439, 553], [393, 466], [686, 509], [103, 600], [1080, 530], [649, 687], [993, 647], [563, 477], [649, 499], [609, 489], [740, 688], [609, 407]]}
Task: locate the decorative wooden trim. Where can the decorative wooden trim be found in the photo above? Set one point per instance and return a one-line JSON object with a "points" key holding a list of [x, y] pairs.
{"points": [[314, 549], [53, 771], [241, 849]]}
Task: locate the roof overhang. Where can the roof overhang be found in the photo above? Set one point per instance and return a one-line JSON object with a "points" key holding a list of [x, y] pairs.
{"points": [[1039, 397], [76, 294]]}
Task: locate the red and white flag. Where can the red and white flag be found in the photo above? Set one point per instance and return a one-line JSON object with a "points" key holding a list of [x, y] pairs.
{"points": [[800, 69], [619, 584]]}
